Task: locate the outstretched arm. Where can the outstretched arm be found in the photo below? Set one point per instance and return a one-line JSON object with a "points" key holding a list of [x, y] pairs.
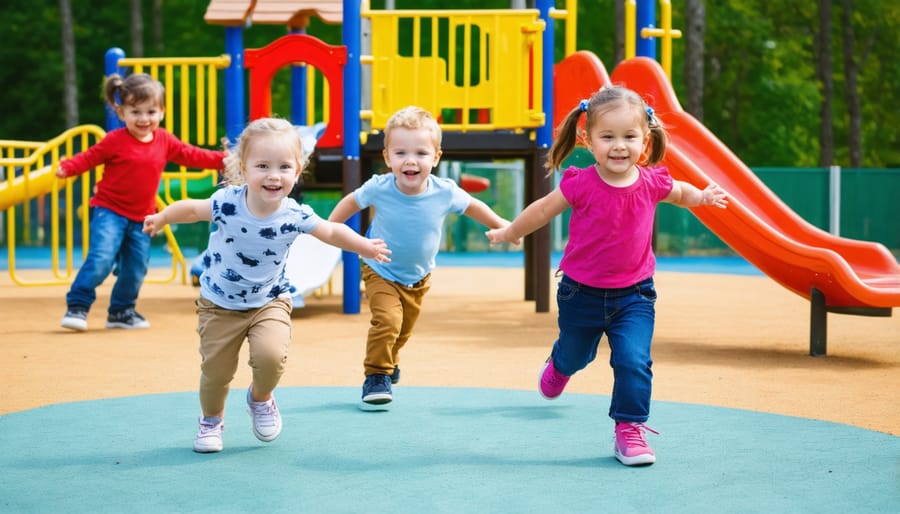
{"points": [[182, 211], [345, 208], [342, 236], [684, 194], [480, 212], [535, 216]]}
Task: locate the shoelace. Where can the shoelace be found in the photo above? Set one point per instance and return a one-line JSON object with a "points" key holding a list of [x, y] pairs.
{"points": [[129, 314], [634, 433], [373, 380], [264, 412]]}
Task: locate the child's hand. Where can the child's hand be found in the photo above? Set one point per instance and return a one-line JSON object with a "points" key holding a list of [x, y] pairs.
{"points": [[59, 171], [378, 250], [502, 235], [715, 196], [153, 224]]}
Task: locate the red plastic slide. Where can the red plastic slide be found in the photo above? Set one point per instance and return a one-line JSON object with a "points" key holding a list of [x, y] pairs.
{"points": [[757, 224]]}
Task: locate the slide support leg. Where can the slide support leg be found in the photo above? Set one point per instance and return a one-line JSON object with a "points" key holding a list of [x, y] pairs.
{"points": [[818, 323]]}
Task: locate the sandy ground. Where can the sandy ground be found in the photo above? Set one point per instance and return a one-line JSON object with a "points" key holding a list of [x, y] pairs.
{"points": [[733, 341]]}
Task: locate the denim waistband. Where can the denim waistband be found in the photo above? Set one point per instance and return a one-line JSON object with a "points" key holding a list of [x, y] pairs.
{"points": [[607, 292]]}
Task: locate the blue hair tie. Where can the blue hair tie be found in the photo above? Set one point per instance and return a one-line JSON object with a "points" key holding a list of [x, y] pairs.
{"points": [[584, 105], [650, 114]]}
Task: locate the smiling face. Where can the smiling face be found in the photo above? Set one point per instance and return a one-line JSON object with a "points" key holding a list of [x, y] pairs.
{"points": [[617, 138], [271, 167], [411, 154], [142, 118]]}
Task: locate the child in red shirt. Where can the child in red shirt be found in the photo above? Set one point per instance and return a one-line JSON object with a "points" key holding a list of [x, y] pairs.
{"points": [[134, 158]]}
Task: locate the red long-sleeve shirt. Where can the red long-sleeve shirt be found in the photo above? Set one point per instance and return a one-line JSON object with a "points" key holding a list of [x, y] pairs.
{"points": [[132, 169]]}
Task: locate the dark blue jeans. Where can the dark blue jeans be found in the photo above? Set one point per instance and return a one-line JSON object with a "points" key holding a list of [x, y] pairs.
{"points": [[113, 239], [627, 317]]}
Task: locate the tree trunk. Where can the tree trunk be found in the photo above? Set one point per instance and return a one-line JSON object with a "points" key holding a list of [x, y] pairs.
{"points": [[158, 41], [695, 30], [824, 72], [620, 33], [70, 80], [851, 90], [137, 29]]}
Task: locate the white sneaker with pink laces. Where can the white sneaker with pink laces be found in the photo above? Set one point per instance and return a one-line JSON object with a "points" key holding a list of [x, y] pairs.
{"points": [[209, 437], [266, 418]]}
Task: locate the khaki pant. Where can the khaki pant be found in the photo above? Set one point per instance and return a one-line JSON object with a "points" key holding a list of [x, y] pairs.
{"points": [[395, 309], [267, 330]]}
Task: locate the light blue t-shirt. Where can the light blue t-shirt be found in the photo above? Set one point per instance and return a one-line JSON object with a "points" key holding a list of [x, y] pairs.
{"points": [[244, 264], [410, 225]]}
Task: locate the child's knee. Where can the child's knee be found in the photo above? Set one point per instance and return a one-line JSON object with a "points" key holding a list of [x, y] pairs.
{"points": [[270, 361]]}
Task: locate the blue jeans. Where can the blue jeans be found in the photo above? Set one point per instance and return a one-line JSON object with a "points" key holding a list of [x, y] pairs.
{"points": [[114, 239], [627, 317]]}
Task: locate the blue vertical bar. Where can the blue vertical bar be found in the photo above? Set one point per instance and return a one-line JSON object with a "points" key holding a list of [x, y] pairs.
{"points": [[645, 17], [299, 92], [351, 29], [545, 132], [111, 64], [235, 116]]}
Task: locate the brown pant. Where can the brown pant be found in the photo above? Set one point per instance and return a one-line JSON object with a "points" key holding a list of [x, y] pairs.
{"points": [[395, 309], [267, 330]]}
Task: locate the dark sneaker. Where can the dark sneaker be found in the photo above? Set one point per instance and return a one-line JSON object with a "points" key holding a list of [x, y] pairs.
{"points": [[631, 448], [209, 437], [376, 392], [266, 418], [128, 319], [551, 382], [395, 376], [75, 319]]}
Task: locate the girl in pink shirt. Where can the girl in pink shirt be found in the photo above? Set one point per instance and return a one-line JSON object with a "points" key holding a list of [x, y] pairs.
{"points": [[608, 264], [133, 158]]}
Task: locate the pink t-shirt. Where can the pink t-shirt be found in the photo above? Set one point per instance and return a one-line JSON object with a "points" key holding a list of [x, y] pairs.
{"points": [[611, 228]]}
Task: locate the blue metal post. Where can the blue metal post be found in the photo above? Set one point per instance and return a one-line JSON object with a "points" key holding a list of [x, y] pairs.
{"points": [[538, 248], [351, 34], [111, 64], [299, 116], [235, 116], [645, 17], [545, 133]]}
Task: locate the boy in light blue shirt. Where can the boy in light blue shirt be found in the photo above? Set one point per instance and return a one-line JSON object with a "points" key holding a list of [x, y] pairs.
{"points": [[410, 206]]}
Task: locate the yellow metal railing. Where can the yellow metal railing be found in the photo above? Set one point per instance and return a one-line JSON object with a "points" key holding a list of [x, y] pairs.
{"points": [[31, 182], [666, 33], [477, 69], [570, 16]]}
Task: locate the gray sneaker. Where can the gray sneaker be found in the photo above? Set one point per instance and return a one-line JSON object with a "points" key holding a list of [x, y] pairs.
{"points": [[75, 319], [128, 319]]}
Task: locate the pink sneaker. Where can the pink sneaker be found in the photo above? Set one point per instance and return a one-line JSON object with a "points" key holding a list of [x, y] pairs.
{"points": [[631, 448], [552, 382]]}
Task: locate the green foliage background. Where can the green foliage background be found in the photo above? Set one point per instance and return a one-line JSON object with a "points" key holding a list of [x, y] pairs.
{"points": [[761, 97]]}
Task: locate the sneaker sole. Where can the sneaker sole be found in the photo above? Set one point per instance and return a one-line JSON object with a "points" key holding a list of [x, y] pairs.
{"points": [[115, 324], [78, 326], [379, 403], [638, 460], [207, 449]]}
